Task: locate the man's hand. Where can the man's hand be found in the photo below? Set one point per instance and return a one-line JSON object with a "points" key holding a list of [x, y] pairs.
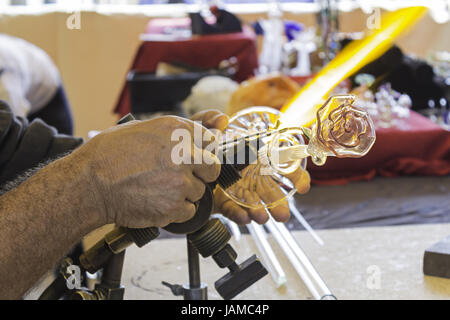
{"points": [[125, 175], [136, 182], [266, 192], [223, 204]]}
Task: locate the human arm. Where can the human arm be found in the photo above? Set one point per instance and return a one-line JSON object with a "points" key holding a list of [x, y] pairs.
{"points": [[40, 221], [124, 175]]}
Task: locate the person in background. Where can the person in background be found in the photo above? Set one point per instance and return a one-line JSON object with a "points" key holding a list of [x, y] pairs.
{"points": [[31, 84]]}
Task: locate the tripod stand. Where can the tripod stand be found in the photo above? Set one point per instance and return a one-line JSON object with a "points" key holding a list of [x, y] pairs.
{"points": [[211, 239]]}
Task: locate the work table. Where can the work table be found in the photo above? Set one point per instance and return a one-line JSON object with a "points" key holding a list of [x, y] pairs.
{"points": [[351, 262]]}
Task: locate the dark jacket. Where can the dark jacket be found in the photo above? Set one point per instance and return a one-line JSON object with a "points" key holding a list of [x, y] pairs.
{"points": [[24, 145]]}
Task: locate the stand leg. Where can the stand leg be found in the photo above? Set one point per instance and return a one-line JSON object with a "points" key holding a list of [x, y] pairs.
{"points": [[194, 266], [195, 290], [112, 273], [110, 288]]}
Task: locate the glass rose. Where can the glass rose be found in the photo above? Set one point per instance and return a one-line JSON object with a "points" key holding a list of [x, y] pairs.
{"points": [[341, 130]]}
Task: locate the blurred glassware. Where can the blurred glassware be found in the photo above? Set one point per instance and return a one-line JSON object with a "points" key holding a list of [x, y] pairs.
{"points": [[440, 60], [328, 27], [270, 58], [296, 53], [386, 107]]}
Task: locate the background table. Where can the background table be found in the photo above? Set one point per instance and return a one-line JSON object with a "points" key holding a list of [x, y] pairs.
{"points": [[201, 51], [343, 262], [379, 202], [417, 146]]}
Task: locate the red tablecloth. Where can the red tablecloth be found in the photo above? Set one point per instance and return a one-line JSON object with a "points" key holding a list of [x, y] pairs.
{"points": [[418, 148], [203, 51]]}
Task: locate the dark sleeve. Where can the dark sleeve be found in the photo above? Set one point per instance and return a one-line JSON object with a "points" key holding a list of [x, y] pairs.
{"points": [[24, 145]]}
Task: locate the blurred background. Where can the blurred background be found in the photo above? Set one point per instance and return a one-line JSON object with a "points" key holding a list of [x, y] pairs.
{"points": [[94, 59]]}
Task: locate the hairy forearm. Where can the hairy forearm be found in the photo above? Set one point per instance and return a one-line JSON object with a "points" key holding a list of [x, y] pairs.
{"points": [[41, 220]]}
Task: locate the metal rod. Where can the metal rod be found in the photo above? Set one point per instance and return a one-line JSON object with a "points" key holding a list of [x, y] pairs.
{"points": [[271, 262], [194, 266], [325, 292], [112, 272]]}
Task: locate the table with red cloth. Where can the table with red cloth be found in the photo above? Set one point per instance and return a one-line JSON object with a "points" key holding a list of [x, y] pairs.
{"points": [[199, 51], [418, 147]]}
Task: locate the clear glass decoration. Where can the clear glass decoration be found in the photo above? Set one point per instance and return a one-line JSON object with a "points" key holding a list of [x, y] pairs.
{"points": [[387, 107], [341, 130], [279, 154]]}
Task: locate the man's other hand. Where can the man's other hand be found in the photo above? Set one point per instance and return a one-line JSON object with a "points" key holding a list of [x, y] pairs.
{"points": [[213, 119]]}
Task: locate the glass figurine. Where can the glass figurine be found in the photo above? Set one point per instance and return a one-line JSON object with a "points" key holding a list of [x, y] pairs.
{"points": [[270, 176]]}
